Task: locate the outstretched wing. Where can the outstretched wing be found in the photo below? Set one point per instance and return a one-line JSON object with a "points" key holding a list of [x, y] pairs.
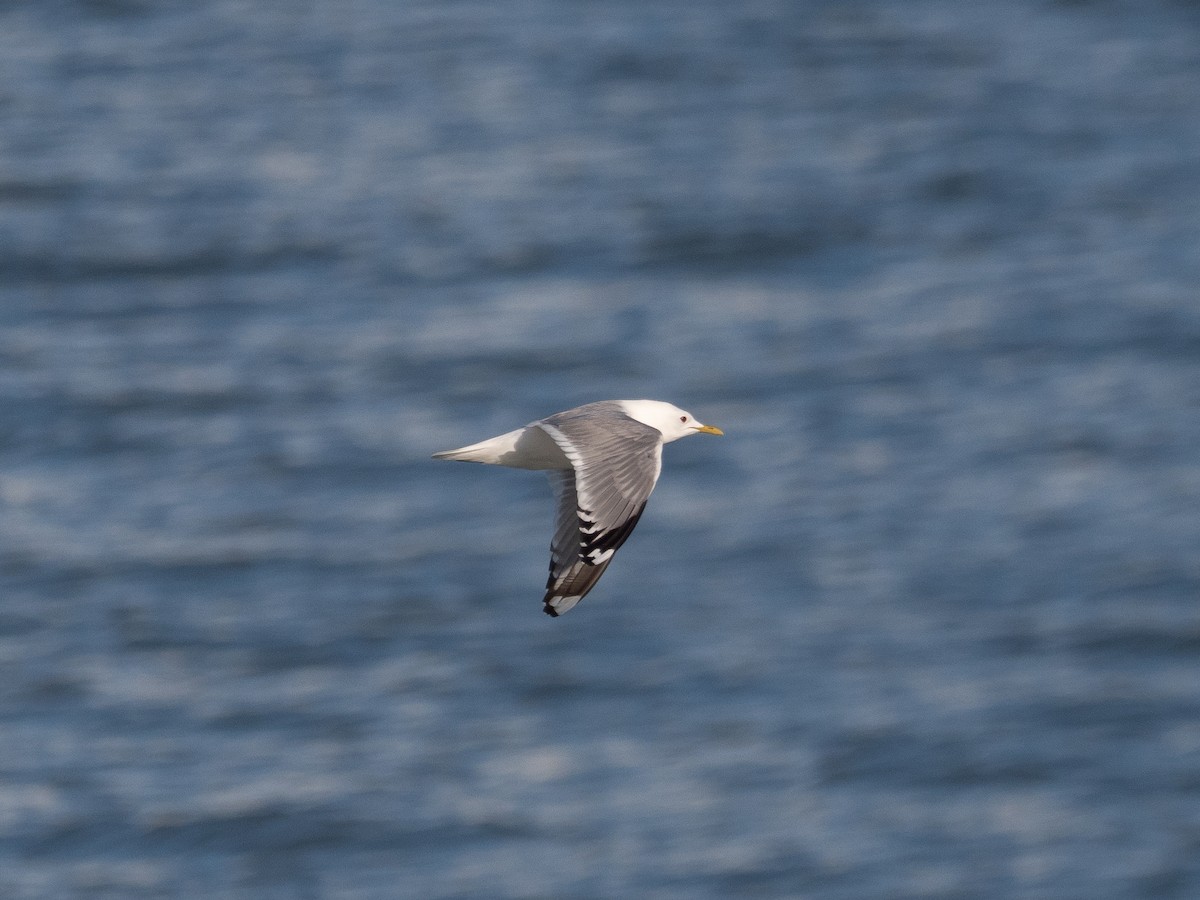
{"points": [[616, 462]]}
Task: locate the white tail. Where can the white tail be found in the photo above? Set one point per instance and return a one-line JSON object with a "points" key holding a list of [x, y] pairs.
{"points": [[525, 448], [482, 452]]}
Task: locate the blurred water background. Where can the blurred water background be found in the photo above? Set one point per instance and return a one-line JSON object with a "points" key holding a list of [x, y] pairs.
{"points": [[924, 624]]}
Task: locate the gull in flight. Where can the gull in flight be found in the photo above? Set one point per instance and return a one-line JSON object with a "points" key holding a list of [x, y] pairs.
{"points": [[603, 460]]}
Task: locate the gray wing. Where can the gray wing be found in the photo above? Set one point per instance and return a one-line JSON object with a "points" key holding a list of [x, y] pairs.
{"points": [[616, 463]]}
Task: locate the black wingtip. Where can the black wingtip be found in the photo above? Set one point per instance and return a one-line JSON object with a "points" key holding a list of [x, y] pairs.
{"points": [[550, 611]]}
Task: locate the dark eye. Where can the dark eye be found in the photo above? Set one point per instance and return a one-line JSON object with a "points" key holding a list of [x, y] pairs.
{"points": [[683, 418]]}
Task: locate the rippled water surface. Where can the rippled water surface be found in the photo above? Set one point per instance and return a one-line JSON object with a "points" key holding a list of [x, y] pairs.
{"points": [[923, 624]]}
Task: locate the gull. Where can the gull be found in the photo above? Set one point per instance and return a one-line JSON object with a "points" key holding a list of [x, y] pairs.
{"points": [[603, 460]]}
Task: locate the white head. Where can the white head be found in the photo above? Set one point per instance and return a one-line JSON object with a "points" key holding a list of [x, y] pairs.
{"points": [[672, 421]]}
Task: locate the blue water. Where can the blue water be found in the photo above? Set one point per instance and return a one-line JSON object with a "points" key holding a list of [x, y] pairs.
{"points": [[924, 624]]}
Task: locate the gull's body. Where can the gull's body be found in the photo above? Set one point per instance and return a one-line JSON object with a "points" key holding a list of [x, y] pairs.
{"points": [[603, 460]]}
